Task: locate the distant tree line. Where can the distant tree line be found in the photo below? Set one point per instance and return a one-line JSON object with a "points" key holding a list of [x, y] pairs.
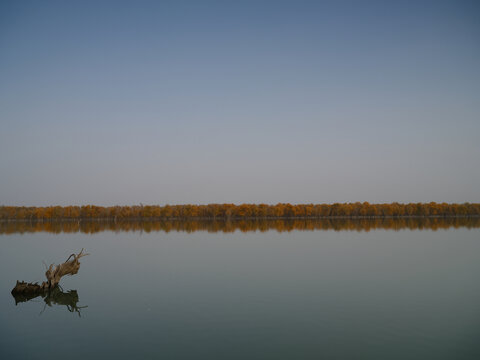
{"points": [[243, 211]]}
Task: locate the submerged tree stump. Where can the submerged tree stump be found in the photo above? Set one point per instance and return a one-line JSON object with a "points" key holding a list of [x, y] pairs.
{"points": [[54, 273]]}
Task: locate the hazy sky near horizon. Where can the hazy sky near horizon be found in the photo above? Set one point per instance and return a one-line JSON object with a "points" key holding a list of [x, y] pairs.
{"points": [[156, 102]]}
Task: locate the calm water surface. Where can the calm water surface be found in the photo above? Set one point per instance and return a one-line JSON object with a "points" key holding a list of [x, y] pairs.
{"points": [[379, 294]]}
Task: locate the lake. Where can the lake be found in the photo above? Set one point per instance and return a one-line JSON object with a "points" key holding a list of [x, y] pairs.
{"points": [[336, 289]]}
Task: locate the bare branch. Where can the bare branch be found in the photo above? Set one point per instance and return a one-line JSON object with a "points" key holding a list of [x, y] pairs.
{"points": [[53, 274]]}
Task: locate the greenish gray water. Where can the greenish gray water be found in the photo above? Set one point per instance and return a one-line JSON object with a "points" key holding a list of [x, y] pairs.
{"points": [[381, 294]]}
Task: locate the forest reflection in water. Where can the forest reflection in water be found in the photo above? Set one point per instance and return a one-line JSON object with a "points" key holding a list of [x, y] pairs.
{"points": [[247, 225]]}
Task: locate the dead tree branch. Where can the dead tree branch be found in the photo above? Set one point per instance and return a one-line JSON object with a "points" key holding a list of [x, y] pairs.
{"points": [[54, 273]]}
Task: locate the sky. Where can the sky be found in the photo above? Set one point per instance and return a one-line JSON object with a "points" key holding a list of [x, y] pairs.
{"points": [[175, 102]]}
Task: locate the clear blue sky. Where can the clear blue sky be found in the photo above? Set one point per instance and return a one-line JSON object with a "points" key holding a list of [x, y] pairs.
{"points": [[239, 101]]}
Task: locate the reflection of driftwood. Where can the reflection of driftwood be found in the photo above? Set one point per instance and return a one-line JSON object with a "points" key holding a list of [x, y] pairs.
{"points": [[69, 299], [55, 296], [54, 274]]}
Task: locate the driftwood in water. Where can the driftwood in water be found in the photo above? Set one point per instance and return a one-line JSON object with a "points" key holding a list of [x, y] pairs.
{"points": [[54, 274]]}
